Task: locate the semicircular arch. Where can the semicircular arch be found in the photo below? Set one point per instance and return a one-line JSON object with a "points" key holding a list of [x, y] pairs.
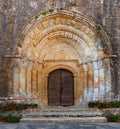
{"points": [[61, 66], [78, 25]]}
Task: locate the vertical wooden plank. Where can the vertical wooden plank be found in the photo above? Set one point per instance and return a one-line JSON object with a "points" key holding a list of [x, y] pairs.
{"points": [[54, 88], [67, 94]]}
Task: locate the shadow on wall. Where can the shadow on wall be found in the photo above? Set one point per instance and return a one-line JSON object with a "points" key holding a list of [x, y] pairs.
{"points": [[3, 86], [6, 78]]}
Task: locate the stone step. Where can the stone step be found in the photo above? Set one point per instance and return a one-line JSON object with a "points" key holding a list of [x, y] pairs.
{"points": [[62, 109], [70, 109], [63, 114], [60, 114], [65, 120]]}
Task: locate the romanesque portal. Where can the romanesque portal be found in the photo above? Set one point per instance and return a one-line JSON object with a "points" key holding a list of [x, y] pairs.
{"points": [[67, 42]]}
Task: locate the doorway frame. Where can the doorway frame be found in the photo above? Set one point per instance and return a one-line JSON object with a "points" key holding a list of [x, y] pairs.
{"points": [[71, 65], [61, 86]]}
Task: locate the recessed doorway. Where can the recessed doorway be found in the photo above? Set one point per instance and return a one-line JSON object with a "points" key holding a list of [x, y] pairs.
{"points": [[61, 88]]}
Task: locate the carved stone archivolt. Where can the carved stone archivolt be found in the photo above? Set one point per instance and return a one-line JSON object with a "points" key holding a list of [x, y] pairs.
{"points": [[62, 40]]}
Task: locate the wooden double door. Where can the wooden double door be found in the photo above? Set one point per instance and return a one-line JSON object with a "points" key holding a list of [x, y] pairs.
{"points": [[61, 88]]}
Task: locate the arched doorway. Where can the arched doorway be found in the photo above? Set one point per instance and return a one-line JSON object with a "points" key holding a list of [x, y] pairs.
{"points": [[61, 88], [72, 42]]}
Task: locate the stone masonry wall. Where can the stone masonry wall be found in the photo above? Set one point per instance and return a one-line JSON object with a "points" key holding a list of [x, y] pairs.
{"points": [[15, 13]]}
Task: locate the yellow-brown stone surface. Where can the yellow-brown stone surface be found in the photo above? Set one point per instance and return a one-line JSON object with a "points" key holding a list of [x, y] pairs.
{"points": [[58, 41]]}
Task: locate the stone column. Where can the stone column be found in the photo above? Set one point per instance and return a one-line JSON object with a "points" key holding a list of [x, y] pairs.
{"points": [[79, 90], [108, 82], [16, 79], [85, 79], [38, 77], [101, 80], [33, 80], [45, 86], [29, 78], [96, 79], [75, 89], [22, 80]]}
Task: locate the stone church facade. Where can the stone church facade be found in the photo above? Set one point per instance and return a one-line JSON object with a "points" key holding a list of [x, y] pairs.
{"points": [[59, 53]]}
